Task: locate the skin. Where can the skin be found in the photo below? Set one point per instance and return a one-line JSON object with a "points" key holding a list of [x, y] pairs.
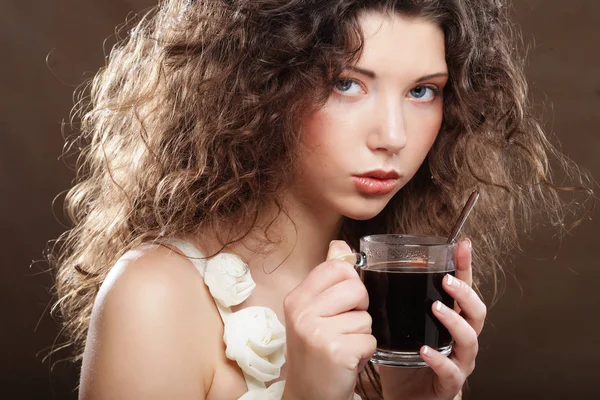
{"points": [[155, 332], [388, 122]]}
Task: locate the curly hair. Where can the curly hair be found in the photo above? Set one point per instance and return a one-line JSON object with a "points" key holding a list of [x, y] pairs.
{"points": [[195, 119]]}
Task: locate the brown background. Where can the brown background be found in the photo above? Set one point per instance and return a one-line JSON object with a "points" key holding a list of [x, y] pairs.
{"points": [[541, 339]]}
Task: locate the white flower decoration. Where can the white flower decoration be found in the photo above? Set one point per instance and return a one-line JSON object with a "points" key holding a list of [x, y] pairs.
{"points": [[255, 339], [228, 279], [273, 392]]}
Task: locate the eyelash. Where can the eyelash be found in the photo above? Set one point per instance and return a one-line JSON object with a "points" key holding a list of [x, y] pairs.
{"points": [[434, 89]]}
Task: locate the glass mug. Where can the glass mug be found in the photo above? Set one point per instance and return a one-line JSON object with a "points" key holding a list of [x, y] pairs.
{"points": [[403, 276]]}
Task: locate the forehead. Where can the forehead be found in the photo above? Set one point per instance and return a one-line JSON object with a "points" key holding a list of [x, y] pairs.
{"points": [[395, 43]]}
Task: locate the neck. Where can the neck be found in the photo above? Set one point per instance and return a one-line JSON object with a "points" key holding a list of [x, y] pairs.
{"points": [[300, 234]]}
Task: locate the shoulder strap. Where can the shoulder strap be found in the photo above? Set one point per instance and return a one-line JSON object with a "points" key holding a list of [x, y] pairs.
{"points": [[191, 252], [199, 260]]}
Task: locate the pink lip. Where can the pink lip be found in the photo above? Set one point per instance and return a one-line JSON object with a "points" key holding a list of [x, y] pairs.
{"points": [[376, 182], [380, 174]]}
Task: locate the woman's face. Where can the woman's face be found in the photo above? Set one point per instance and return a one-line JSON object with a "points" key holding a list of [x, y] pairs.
{"points": [[379, 122]]}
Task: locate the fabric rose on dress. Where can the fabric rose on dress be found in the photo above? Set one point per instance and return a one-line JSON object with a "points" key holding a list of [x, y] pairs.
{"points": [[228, 279], [273, 392], [255, 339]]}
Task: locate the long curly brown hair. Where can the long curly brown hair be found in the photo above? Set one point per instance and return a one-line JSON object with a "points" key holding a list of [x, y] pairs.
{"points": [[195, 117]]}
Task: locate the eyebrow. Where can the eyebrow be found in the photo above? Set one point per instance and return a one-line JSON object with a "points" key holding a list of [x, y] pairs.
{"points": [[372, 74]]}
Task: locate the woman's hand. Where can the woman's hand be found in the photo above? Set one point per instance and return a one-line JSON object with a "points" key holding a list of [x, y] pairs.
{"points": [[447, 375], [328, 331]]}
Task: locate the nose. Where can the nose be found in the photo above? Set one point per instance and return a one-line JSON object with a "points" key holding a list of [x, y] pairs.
{"points": [[389, 133]]}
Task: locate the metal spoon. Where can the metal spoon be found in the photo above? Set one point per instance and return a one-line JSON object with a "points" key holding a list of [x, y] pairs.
{"points": [[463, 216]]}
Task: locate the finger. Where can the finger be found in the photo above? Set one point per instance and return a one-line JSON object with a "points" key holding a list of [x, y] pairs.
{"points": [[344, 296], [465, 344], [450, 377], [325, 274], [338, 248], [472, 308], [353, 350], [350, 322], [464, 271]]}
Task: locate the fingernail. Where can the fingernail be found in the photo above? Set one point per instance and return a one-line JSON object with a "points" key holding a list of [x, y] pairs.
{"points": [[470, 244], [349, 258], [425, 350], [440, 307], [452, 281]]}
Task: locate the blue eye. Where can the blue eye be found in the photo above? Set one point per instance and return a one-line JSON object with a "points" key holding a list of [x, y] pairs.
{"points": [[345, 86], [423, 93]]}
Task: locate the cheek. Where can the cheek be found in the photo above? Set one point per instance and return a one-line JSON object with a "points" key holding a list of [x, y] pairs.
{"points": [[425, 129], [313, 131], [433, 128], [323, 132], [434, 122], [315, 144]]}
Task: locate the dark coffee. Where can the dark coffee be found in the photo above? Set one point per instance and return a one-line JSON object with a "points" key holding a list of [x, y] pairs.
{"points": [[400, 304]]}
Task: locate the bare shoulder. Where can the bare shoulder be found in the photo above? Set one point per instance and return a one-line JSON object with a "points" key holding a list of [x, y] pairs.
{"points": [[153, 331]]}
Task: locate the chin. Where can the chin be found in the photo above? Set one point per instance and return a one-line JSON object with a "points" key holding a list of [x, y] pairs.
{"points": [[365, 210]]}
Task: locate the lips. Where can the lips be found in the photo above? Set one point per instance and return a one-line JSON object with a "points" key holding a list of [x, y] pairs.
{"points": [[376, 182], [380, 174]]}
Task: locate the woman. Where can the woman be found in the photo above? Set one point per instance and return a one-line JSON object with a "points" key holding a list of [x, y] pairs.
{"points": [[237, 149]]}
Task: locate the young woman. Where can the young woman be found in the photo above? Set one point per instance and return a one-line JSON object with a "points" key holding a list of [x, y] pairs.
{"points": [[236, 149]]}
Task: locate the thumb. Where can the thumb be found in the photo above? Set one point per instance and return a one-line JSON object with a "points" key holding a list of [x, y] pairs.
{"points": [[338, 249]]}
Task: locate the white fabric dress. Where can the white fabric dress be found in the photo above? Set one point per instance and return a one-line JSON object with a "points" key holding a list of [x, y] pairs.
{"points": [[254, 336]]}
